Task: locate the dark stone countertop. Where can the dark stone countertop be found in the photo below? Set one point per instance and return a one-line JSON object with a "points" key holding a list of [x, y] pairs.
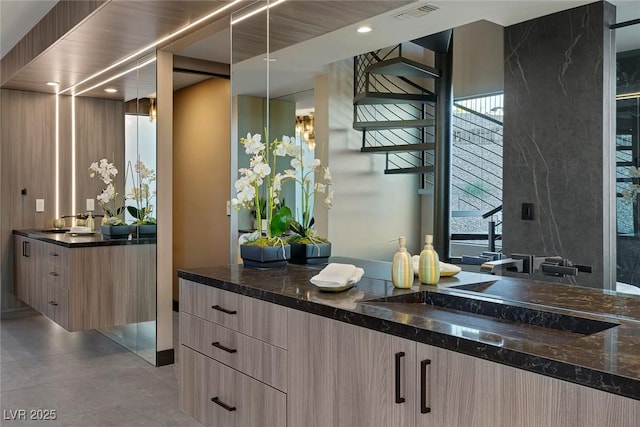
{"points": [[69, 240], [605, 356]]}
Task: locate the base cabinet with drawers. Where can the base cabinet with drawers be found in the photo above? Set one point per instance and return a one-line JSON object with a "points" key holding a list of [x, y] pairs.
{"points": [[327, 373], [233, 358], [88, 287]]}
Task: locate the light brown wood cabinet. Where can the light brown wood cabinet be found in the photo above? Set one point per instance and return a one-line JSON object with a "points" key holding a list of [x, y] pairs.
{"points": [[337, 374], [233, 358], [87, 287]]}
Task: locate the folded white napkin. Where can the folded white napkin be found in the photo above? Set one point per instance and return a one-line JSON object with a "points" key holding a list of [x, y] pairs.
{"points": [[445, 269], [79, 229], [336, 275]]}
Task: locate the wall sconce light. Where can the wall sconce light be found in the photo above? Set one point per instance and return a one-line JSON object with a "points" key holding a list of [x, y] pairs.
{"points": [[153, 112], [305, 130]]}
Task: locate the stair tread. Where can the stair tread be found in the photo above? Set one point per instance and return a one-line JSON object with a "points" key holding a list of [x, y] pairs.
{"points": [[373, 98], [403, 67], [417, 169], [393, 124], [398, 148]]}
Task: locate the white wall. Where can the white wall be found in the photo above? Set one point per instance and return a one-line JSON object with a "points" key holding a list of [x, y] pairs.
{"points": [[369, 207]]}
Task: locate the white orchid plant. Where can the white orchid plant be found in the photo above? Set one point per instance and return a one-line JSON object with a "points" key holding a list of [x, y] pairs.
{"points": [[108, 199], [142, 195], [313, 179], [259, 177]]}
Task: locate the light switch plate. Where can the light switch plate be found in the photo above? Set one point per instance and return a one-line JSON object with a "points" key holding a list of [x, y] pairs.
{"points": [[39, 205], [91, 205]]}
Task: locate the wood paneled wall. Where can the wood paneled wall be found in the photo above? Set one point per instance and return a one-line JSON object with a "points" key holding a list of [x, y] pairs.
{"points": [[99, 134], [28, 160]]}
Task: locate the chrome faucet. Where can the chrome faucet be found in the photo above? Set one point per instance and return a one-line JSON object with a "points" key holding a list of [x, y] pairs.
{"points": [[523, 263], [509, 264]]}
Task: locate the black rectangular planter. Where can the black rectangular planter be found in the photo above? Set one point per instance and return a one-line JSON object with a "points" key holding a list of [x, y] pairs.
{"points": [[314, 253], [265, 256]]}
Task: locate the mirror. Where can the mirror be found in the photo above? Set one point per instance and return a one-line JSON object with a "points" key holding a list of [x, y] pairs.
{"points": [[116, 120], [628, 156]]}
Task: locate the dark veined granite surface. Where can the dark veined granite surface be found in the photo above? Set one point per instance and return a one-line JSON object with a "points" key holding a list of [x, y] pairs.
{"points": [[576, 334], [69, 240]]}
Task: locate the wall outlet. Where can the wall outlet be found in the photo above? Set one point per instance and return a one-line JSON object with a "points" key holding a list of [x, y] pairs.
{"points": [[228, 208], [91, 206], [39, 205]]}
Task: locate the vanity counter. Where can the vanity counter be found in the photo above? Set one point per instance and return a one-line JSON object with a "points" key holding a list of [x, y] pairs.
{"points": [[608, 360], [70, 240]]}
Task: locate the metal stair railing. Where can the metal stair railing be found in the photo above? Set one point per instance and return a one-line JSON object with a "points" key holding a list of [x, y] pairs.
{"points": [[372, 84], [476, 165]]}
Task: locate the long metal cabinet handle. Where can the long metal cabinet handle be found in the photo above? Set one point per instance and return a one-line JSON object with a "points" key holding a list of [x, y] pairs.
{"points": [[222, 309], [221, 347], [399, 398], [424, 409], [217, 401], [26, 252]]}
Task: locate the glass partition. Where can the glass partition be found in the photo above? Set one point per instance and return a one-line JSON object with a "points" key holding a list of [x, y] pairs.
{"points": [[628, 157], [116, 120]]}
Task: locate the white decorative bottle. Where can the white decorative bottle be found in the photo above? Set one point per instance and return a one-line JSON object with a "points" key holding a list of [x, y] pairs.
{"points": [[429, 264], [401, 267]]}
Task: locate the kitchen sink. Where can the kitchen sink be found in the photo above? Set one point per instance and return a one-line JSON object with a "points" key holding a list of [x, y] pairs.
{"points": [[460, 314]]}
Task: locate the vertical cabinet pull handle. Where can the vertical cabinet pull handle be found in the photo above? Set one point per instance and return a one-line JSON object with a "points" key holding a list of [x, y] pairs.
{"points": [[399, 398], [222, 309], [217, 401], [424, 409], [25, 249], [221, 347]]}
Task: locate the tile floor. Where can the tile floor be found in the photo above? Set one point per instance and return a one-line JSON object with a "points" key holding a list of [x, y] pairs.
{"points": [[87, 378]]}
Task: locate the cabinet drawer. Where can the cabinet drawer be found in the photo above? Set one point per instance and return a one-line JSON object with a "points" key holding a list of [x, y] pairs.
{"points": [[255, 358], [259, 319], [210, 303], [56, 255], [256, 404], [56, 275], [58, 305], [218, 395]]}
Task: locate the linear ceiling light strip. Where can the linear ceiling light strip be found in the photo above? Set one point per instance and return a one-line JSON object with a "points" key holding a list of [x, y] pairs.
{"points": [[73, 156], [254, 12], [154, 44], [117, 76], [57, 189]]}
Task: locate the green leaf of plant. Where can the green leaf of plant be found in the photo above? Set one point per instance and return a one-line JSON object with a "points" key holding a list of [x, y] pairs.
{"points": [[280, 221], [296, 227], [135, 212]]}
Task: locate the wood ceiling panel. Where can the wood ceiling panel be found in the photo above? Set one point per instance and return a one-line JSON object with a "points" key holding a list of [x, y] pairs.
{"points": [[120, 27], [293, 22]]}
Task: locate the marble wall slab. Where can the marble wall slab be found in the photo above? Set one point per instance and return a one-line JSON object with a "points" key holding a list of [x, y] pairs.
{"points": [[557, 139]]}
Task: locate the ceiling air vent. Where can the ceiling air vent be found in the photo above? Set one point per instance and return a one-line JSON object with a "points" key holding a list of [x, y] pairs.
{"points": [[417, 12]]}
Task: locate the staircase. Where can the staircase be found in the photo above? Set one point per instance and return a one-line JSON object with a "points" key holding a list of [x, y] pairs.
{"points": [[395, 106]]}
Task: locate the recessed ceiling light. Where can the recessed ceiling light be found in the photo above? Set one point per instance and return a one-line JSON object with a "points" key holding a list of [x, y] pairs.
{"points": [[52, 83], [364, 29], [269, 59], [110, 90]]}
